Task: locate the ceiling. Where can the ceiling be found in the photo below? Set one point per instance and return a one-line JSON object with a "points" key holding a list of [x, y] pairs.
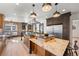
{"points": [[23, 10]]}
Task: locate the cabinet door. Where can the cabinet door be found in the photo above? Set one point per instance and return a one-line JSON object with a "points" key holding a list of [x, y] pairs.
{"points": [[1, 21], [32, 48], [40, 51]]}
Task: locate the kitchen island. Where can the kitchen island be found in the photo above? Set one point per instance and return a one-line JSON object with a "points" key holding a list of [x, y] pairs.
{"points": [[54, 47]]}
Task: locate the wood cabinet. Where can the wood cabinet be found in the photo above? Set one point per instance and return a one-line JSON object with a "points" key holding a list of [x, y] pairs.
{"points": [[1, 20], [35, 49], [39, 51], [32, 48], [64, 20]]}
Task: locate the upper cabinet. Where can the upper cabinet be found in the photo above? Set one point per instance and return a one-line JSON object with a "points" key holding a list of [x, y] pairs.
{"points": [[1, 20], [63, 20]]}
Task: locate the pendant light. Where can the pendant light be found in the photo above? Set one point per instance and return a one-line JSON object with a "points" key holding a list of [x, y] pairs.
{"points": [[46, 7], [33, 14], [56, 14]]}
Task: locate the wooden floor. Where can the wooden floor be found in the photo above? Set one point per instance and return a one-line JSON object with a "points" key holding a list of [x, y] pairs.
{"points": [[15, 48]]}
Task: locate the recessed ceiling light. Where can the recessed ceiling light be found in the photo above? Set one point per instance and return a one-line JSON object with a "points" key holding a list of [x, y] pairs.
{"points": [[64, 10]]}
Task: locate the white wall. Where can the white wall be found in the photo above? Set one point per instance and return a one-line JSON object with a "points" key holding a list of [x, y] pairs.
{"points": [[74, 33], [75, 22]]}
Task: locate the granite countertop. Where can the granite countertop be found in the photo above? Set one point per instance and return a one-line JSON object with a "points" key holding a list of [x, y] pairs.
{"points": [[55, 46]]}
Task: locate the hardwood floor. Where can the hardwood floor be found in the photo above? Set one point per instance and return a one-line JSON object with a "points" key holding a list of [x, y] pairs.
{"points": [[15, 48]]}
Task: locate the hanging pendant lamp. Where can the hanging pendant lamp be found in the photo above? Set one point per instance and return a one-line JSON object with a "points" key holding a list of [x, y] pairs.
{"points": [[46, 7], [56, 14], [33, 14]]}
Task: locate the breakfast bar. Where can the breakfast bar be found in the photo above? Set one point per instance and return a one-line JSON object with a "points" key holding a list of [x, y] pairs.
{"points": [[54, 47]]}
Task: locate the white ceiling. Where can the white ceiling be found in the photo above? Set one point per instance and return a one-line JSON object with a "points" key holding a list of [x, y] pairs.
{"points": [[23, 10]]}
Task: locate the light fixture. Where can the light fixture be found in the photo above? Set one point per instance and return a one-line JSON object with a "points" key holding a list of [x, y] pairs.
{"points": [[33, 14], [56, 14], [46, 7]]}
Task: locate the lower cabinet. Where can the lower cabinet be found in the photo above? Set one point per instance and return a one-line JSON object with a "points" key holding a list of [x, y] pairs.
{"points": [[33, 48], [39, 51]]}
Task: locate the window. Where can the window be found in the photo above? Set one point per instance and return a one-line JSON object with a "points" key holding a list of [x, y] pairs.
{"points": [[55, 30], [13, 28], [10, 28]]}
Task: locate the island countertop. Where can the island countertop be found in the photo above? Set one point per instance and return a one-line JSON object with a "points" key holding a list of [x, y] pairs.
{"points": [[55, 46]]}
